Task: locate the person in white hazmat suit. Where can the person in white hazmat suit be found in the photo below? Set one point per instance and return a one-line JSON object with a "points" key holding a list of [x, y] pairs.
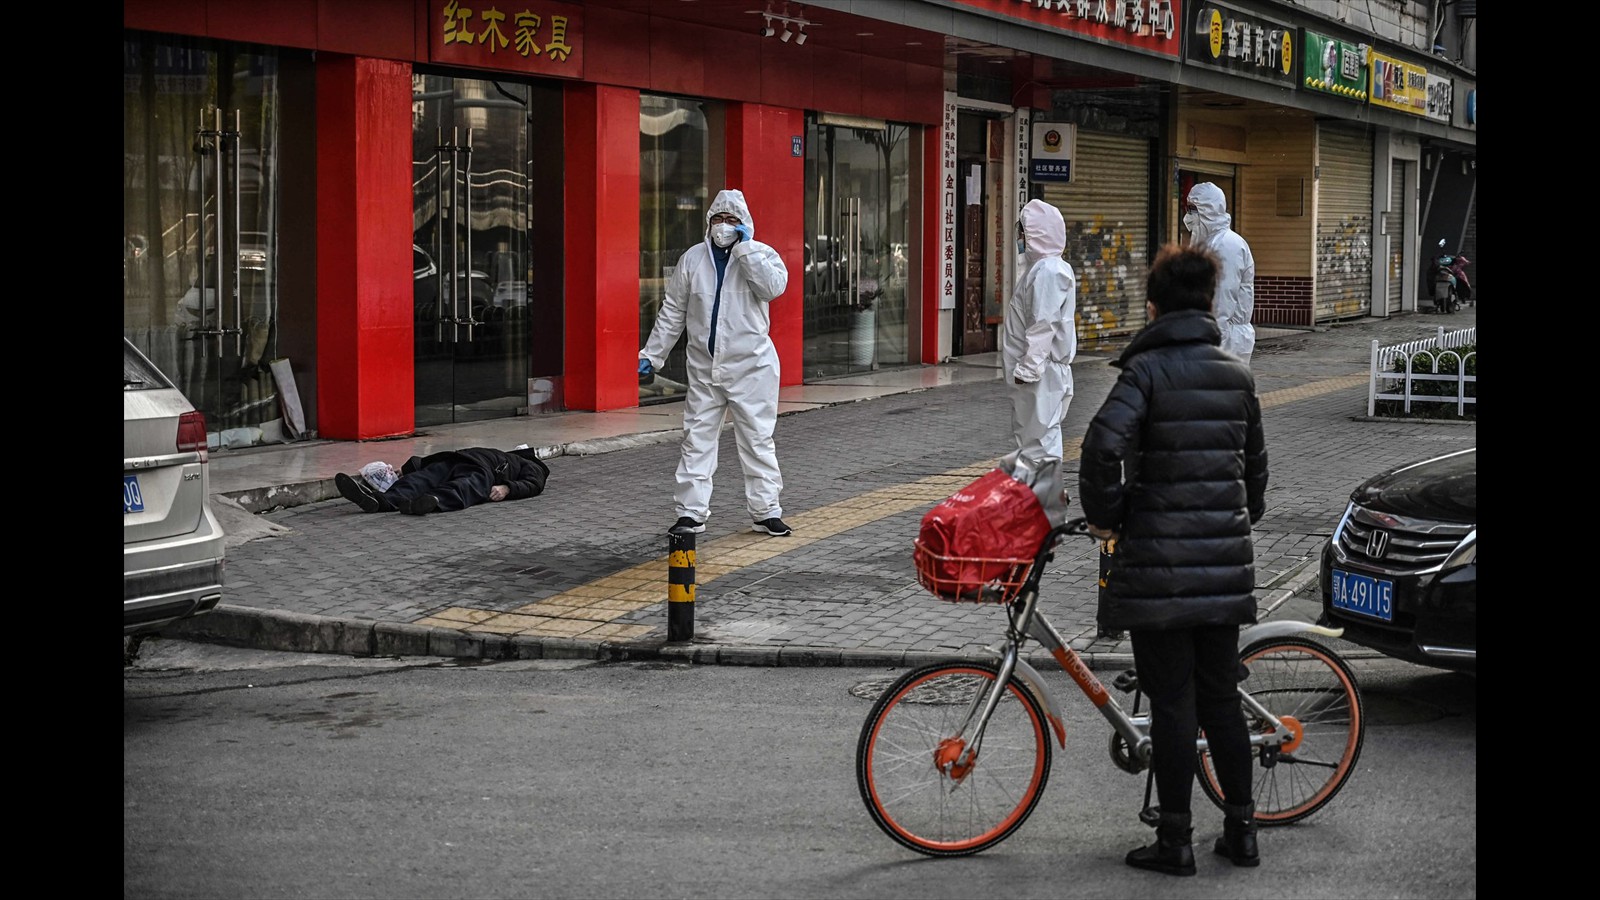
{"points": [[1210, 226], [719, 293], [1040, 335]]}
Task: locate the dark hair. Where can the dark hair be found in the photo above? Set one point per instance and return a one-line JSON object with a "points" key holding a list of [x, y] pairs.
{"points": [[1182, 278]]}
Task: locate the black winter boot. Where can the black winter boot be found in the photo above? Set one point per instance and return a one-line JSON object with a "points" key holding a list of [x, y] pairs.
{"points": [[1238, 841], [1172, 853]]}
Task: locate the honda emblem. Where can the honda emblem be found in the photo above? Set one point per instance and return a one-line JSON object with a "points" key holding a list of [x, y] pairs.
{"points": [[1377, 543]]}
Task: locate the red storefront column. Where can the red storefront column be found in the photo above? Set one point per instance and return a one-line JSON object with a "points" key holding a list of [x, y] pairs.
{"points": [[762, 162], [602, 243], [365, 385]]}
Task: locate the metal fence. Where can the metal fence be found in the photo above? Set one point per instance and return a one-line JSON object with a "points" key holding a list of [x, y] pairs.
{"points": [[1422, 358]]}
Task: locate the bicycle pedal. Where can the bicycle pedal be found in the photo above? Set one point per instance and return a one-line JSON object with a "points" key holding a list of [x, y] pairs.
{"points": [[1127, 682]]}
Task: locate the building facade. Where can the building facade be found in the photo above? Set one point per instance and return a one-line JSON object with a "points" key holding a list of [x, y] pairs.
{"points": [[546, 163]]}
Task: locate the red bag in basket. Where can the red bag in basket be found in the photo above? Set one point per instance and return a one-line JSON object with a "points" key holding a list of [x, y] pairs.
{"points": [[994, 518]]}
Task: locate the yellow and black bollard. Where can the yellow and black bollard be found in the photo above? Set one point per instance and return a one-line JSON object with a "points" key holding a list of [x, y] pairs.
{"points": [[680, 587], [1107, 548]]}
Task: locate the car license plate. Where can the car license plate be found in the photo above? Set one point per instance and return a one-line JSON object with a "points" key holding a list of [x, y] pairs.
{"points": [[1363, 594], [132, 497]]}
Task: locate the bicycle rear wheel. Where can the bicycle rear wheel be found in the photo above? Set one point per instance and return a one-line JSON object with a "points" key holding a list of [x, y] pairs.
{"points": [[904, 760], [1311, 689]]}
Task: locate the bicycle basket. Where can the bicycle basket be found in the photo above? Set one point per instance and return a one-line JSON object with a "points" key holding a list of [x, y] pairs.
{"points": [[969, 579]]}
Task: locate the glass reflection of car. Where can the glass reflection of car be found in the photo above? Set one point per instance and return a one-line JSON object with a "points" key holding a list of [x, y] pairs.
{"points": [[426, 281], [172, 545], [254, 284], [1400, 572]]}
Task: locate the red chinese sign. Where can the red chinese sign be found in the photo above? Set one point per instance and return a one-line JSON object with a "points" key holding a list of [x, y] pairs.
{"points": [[1151, 25], [511, 35]]}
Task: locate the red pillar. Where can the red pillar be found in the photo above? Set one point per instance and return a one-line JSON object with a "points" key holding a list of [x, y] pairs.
{"points": [[602, 247], [365, 386], [761, 162]]}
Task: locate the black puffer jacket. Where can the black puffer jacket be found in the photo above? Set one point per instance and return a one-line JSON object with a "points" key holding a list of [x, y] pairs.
{"points": [[520, 470], [1175, 462]]}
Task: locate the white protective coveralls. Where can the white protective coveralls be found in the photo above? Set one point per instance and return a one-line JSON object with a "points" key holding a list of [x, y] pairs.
{"points": [[1212, 228], [739, 376], [1040, 336]]}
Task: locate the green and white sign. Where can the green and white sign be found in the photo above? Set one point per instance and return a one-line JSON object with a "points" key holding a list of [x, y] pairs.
{"points": [[1334, 66]]}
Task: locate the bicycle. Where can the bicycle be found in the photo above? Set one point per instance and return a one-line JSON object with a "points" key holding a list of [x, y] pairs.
{"points": [[925, 783]]}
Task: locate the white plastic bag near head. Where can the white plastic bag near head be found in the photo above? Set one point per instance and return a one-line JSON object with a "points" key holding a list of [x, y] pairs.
{"points": [[1046, 481], [380, 475]]}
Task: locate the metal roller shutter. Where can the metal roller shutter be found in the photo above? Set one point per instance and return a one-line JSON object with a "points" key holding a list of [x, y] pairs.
{"points": [[1344, 222], [1398, 229], [1107, 210]]}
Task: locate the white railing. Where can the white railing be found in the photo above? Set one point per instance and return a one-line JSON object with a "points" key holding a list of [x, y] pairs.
{"points": [[1384, 384]]}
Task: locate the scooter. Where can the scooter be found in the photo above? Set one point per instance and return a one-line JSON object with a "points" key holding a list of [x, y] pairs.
{"points": [[1448, 281]]}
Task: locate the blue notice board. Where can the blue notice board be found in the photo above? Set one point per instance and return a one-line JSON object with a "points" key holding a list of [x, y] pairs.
{"points": [[1051, 151]]}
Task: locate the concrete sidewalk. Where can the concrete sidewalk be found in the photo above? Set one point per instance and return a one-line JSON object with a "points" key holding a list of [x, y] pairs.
{"points": [[580, 572]]}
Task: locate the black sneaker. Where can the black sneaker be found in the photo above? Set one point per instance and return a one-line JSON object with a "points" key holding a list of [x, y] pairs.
{"points": [[420, 505], [686, 525], [357, 492], [773, 526]]}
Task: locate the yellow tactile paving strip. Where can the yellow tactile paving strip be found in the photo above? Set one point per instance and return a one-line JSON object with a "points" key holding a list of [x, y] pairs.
{"points": [[590, 611]]}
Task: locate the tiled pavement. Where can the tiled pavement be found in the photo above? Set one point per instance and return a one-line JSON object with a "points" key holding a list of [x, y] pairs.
{"points": [[581, 571]]}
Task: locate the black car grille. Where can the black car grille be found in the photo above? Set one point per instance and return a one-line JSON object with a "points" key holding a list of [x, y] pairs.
{"points": [[1405, 546]]}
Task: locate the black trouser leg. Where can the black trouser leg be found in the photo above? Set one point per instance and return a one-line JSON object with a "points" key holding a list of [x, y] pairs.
{"points": [[413, 484], [1191, 678], [1217, 676], [466, 486], [1165, 660]]}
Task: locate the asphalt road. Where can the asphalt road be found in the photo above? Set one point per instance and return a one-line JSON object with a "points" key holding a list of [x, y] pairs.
{"points": [[263, 774]]}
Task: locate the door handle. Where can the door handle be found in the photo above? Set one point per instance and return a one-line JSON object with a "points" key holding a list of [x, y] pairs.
{"points": [[455, 225], [222, 146]]}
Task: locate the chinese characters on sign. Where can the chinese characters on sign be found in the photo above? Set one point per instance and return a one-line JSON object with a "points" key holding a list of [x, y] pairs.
{"points": [[947, 205], [1334, 66], [1137, 16], [524, 36], [1145, 24], [1441, 98], [1242, 43], [1024, 135], [1399, 85], [1053, 147]]}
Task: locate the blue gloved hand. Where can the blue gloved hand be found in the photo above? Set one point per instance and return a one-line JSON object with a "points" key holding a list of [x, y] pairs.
{"points": [[645, 368], [743, 231]]}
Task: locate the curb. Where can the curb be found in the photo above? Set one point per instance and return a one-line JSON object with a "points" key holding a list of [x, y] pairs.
{"points": [[255, 629], [1292, 581]]}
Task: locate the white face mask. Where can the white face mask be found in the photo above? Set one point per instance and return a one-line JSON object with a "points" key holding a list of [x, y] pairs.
{"points": [[723, 235], [1190, 220]]}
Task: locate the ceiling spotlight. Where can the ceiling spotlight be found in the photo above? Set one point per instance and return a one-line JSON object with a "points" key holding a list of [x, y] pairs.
{"points": [[767, 30], [787, 34], [801, 37]]}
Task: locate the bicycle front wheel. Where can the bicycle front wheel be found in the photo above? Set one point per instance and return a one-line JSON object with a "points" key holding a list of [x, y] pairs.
{"points": [[1311, 690], [910, 760]]}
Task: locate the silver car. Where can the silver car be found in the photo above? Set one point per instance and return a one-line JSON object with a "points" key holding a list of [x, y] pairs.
{"points": [[172, 546]]}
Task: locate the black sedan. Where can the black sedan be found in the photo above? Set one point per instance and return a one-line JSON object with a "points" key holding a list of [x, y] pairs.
{"points": [[1400, 573]]}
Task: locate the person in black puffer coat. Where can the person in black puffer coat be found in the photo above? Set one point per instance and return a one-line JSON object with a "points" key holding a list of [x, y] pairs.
{"points": [[1174, 474], [451, 480]]}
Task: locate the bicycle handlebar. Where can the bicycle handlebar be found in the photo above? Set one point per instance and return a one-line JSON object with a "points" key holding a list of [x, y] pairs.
{"points": [[1080, 525]]}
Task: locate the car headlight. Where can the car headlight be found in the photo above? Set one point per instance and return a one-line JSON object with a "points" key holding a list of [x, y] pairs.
{"points": [[1465, 553], [1338, 530]]}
